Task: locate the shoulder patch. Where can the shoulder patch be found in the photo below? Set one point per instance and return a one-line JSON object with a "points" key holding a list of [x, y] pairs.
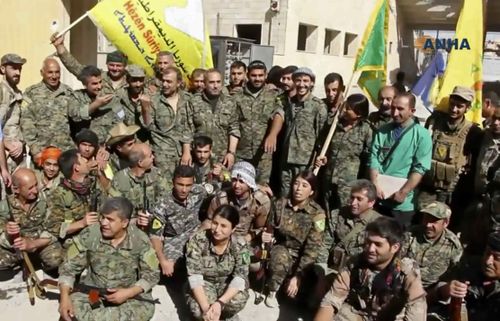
{"points": [[150, 258], [320, 224]]}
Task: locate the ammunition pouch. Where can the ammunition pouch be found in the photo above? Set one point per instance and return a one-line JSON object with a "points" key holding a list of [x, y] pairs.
{"points": [[337, 259]]}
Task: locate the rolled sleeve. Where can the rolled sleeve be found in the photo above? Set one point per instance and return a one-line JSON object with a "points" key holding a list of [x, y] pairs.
{"points": [[67, 280], [237, 283], [195, 281], [145, 285], [338, 292]]}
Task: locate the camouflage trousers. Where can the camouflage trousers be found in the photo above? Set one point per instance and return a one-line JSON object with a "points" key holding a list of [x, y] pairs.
{"points": [[280, 266], [288, 173], [213, 292], [50, 257], [130, 310], [166, 165], [324, 252], [263, 163]]}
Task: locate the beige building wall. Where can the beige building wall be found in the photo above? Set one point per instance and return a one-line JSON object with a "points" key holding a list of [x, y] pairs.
{"points": [[332, 30]]}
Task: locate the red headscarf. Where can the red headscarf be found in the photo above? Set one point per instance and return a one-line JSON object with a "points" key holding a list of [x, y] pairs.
{"points": [[49, 153]]}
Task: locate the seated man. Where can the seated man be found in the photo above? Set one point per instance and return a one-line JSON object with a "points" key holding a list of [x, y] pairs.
{"points": [[22, 218], [478, 283], [377, 284], [122, 270], [176, 219], [433, 246], [253, 204]]}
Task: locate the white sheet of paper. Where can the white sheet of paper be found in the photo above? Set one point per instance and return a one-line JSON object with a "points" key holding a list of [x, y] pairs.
{"points": [[390, 184]]}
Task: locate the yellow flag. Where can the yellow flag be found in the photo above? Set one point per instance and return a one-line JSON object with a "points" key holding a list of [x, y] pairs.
{"points": [[465, 62], [142, 28]]}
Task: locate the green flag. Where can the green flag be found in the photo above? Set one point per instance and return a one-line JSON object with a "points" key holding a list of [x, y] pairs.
{"points": [[371, 59]]}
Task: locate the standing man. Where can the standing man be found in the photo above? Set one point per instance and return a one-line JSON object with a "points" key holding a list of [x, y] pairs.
{"points": [[334, 89], [377, 284], [45, 120], [129, 99], [383, 115], [90, 108], [140, 180], [120, 262], [255, 104], [304, 119], [400, 149], [112, 80], [162, 116], [11, 100], [28, 207], [237, 74], [164, 59], [455, 149], [215, 115], [491, 101], [197, 81]]}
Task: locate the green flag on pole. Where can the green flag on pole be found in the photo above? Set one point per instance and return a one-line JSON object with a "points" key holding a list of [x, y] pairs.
{"points": [[371, 59]]}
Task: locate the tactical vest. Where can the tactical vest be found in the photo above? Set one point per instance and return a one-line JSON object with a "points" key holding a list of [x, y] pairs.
{"points": [[373, 296], [448, 159]]}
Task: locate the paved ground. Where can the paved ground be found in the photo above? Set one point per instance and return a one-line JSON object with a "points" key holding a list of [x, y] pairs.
{"points": [[15, 306]]}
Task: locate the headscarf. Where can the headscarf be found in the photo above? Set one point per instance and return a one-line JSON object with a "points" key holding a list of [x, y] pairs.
{"points": [[49, 153]]}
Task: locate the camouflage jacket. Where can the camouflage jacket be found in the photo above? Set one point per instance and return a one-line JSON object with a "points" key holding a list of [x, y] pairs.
{"points": [[132, 112], [133, 262], [203, 264], [378, 119], [348, 153], [304, 128], [253, 211], [488, 161], [255, 113], [434, 258], [125, 184], [100, 121], [217, 122], [176, 221], [31, 223], [75, 67], [42, 187], [342, 222], [11, 103], [167, 127], [394, 293], [45, 120], [301, 231], [66, 207]]}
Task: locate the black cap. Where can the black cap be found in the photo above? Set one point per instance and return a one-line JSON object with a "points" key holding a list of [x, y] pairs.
{"points": [[116, 56], [87, 136]]}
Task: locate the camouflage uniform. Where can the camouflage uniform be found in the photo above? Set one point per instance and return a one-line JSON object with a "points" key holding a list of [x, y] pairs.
{"points": [[75, 67], [66, 206], [299, 235], [166, 131], [378, 119], [132, 112], [40, 178], [217, 121], [117, 163], [453, 157], [152, 85], [344, 236], [32, 226], [45, 120], [175, 222], [101, 121], [11, 103], [255, 112], [131, 263], [488, 161], [253, 212], [126, 184], [347, 160], [217, 272], [359, 293], [304, 130]]}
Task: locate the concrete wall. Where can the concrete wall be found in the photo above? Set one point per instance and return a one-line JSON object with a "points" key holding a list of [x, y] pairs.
{"points": [[337, 15], [25, 29]]}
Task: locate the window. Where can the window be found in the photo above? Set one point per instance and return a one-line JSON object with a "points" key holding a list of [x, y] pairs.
{"points": [[307, 38], [253, 32], [350, 44], [332, 42]]}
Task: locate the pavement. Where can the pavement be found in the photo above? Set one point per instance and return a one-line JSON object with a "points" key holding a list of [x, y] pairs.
{"points": [[15, 305]]}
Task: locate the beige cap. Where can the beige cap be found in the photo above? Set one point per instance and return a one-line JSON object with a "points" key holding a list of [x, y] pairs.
{"points": [[119, 132], [465, 93]]}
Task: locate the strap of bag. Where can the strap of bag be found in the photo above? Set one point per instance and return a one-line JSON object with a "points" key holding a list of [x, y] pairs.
{"points": [[396, 143]]}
